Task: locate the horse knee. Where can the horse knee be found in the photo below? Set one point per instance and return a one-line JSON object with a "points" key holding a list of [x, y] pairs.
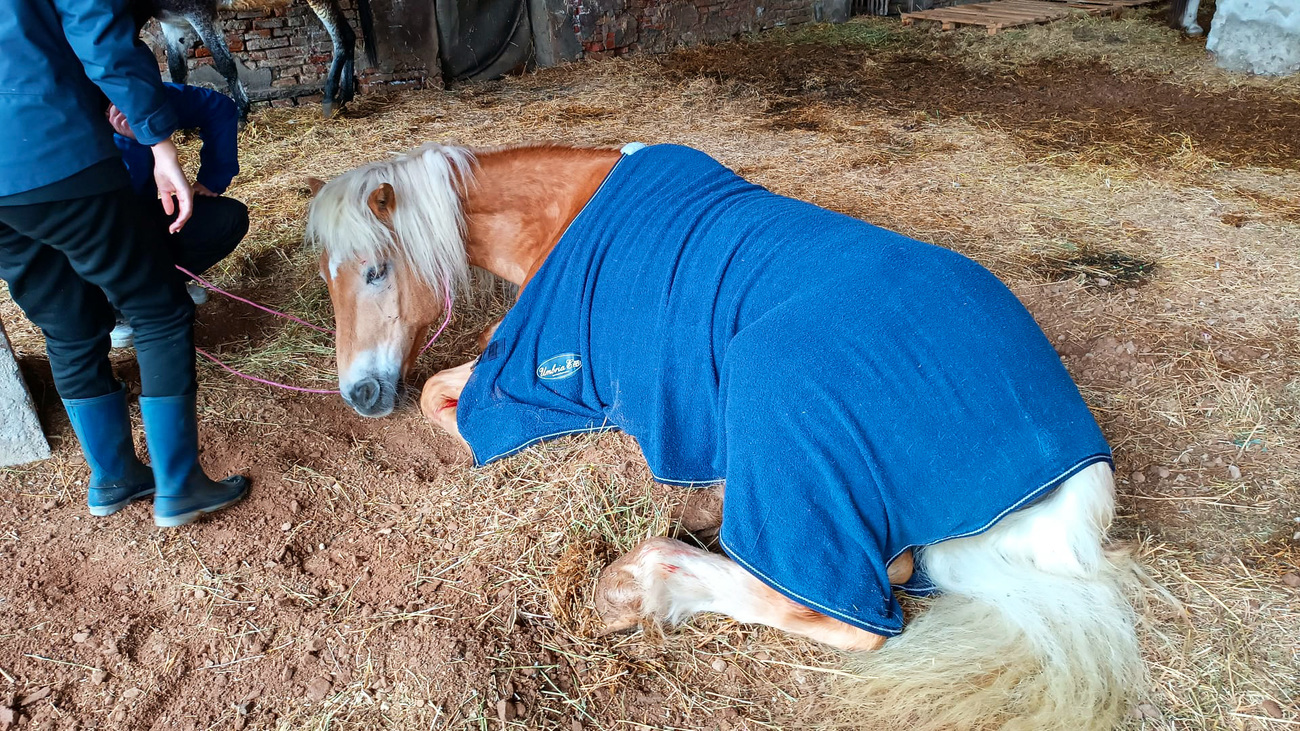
{"points": [[438, 404], [434, 401]]}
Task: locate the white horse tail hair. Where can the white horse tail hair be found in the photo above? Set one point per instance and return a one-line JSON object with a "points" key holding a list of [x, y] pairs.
{"points": [[1033, 629]]}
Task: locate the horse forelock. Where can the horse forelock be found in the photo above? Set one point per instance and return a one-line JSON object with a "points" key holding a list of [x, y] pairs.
{"points": [[427, 226]]}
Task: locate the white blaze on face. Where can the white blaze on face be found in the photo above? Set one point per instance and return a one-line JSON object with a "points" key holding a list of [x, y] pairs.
{"points": [[382, 362], [372, 339]]}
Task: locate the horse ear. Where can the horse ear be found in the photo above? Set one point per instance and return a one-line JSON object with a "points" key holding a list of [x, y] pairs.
{"points": [[382, 200], [315, 184]]}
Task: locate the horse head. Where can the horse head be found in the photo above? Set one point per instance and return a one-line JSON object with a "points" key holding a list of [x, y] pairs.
{"points": [[390, 236]]}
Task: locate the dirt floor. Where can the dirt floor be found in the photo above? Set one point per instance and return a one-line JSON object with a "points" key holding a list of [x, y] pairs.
{"points": [[1144, 205]]}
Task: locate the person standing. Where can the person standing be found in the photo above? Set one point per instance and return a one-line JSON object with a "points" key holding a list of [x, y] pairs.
{"points": [[218, 223], [70, 234]]}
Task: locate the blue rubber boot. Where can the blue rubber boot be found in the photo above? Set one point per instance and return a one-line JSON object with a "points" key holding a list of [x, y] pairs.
{"points": [[104, 429], [184, 491]]}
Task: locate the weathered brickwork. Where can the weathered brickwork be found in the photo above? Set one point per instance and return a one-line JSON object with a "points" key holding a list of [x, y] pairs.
{"points": [[286, 53], [615, 27]]}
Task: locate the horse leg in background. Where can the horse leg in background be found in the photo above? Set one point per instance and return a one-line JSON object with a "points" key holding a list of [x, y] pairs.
{"points": [[205, 24], [341, 84], [667, 580], [1182, 15], [174, 38], [1189, 18], [440, 395]]}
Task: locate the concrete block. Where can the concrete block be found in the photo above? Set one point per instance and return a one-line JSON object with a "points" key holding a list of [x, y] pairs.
{"points": [[21, 438], [554, 41], [254, 79], [1256, 36], [832, 11]]}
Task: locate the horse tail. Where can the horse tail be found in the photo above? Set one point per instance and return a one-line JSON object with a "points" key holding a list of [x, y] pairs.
{"points": [[1033, 629], [367, 18]]}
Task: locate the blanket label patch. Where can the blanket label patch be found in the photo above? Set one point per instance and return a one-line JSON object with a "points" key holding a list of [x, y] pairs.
{"points": [[559, 367]]}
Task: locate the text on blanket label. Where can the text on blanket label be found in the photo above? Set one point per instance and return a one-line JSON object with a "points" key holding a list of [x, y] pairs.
{"points": [[559, 367]]}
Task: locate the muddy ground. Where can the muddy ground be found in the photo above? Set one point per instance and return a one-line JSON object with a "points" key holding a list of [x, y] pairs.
{"points": [[1144, 206]]}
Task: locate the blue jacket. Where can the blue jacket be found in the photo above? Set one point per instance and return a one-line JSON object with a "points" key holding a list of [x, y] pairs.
{"points": [[58, 60], [216, 118]]}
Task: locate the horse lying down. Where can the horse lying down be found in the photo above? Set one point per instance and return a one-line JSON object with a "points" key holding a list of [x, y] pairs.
{"points": [[885, 413]]}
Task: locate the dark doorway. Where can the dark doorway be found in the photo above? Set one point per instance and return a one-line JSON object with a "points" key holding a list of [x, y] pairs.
{"points": [[483, 39]]}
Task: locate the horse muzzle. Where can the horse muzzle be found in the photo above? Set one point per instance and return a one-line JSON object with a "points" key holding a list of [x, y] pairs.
{"points": [[372, 397]]}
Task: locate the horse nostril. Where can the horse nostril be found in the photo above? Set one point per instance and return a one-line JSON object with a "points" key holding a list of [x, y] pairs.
{"points": [[365, 394]]}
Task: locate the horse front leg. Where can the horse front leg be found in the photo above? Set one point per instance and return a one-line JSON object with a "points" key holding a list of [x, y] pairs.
{"points": [[340, 84], [1182, 15], [205, 25], [174, 41], [666, 580], [441, 395], [485, 337]]}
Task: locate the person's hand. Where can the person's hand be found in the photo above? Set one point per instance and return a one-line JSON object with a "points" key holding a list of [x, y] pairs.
{"points": [[170, 179], [201, 189], [118, 120]]}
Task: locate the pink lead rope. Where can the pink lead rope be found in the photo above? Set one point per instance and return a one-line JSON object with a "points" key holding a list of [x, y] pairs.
{"points": [[209, 285]]}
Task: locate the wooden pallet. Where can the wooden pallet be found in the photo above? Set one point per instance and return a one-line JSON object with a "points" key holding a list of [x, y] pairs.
{"points": [[1001, 14], [1113, 4]]}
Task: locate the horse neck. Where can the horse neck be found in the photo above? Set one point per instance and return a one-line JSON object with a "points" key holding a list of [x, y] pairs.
{"points": [[521, 202]]}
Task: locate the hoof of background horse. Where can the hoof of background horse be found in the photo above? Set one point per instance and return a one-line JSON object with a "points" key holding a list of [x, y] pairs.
{"points": [[328, 108], [618, 602], [435, 400], [348, 89]]}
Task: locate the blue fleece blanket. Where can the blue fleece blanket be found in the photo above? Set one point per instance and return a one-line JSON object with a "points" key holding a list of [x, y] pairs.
{"points": [[860, 392]]}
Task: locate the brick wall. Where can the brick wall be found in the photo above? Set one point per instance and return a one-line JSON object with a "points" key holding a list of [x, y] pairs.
{"points": [[284, 54], [615, 27]]}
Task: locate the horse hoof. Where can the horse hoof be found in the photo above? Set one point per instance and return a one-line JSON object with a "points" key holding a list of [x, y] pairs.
{"points": [[637, 586], [700, 515], [618, 597]]}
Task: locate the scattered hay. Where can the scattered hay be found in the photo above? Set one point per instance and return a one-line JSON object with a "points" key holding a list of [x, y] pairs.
{"points": [[1191, 374], [1098, 268]]}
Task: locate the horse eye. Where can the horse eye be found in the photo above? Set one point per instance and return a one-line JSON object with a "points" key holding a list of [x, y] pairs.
{"points": [[376, 274]]}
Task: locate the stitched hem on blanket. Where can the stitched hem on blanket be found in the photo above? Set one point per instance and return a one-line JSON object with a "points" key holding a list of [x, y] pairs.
{"points": [[893, 627]]}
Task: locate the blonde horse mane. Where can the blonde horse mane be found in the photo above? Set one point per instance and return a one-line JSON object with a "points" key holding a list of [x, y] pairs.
{"points": [[428, 222]]}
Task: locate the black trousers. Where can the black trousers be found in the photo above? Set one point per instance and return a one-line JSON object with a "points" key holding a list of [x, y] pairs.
{"points": [[215, 228], [61, 257]]}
